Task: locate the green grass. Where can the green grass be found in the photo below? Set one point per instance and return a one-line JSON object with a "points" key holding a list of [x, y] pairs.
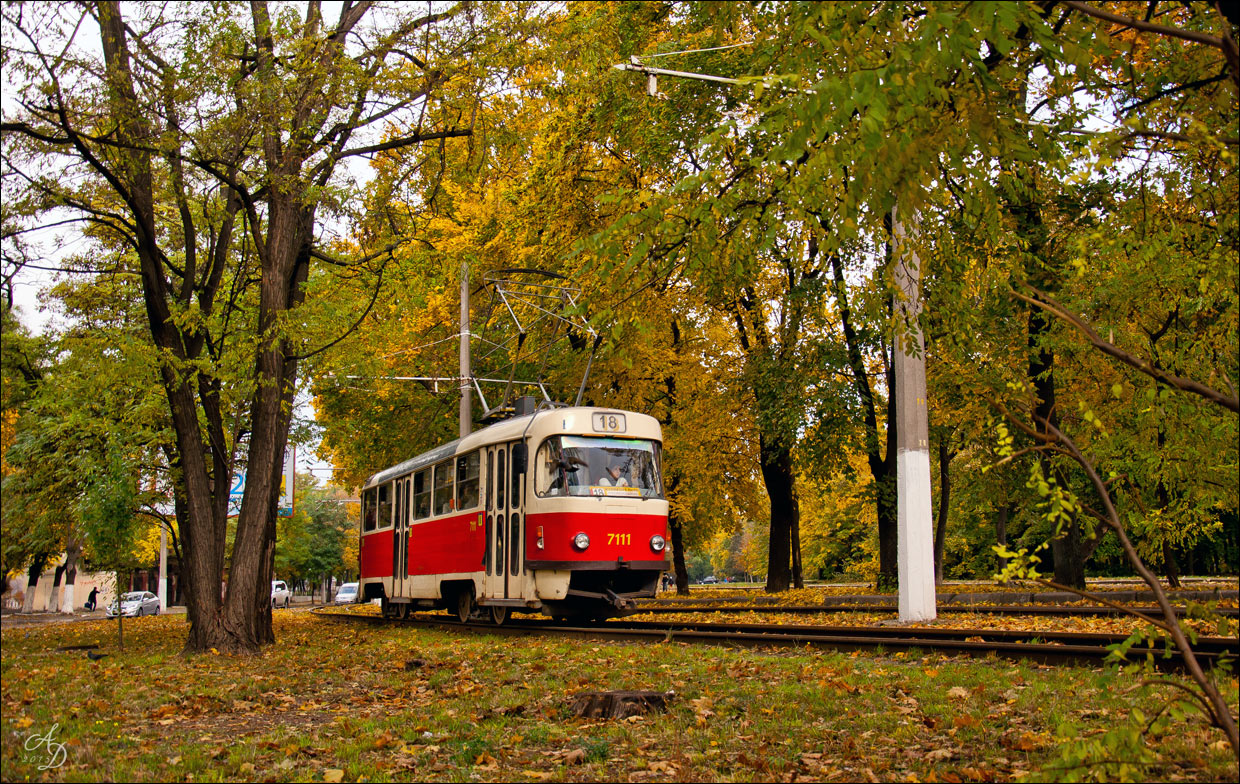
{"points": [[330, 697]]}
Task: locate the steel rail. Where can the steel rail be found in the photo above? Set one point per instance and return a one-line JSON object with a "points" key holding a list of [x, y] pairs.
{"points": [[1213, 645], [1062, 648], [990, 609]]}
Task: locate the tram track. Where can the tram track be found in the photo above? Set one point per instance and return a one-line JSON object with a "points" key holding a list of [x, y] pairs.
{"points": [[1040, 646], [981, 609]]}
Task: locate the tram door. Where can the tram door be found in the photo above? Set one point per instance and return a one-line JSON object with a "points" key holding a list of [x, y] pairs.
{"points": [[400, 537], [505, 553]]}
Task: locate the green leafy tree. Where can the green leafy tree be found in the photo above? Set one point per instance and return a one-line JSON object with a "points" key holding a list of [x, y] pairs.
{"points": [[110, 524], [240, 121], [311, 542]]}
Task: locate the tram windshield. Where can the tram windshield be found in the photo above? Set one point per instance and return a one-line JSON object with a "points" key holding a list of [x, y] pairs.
{"points": [[573, 465]]}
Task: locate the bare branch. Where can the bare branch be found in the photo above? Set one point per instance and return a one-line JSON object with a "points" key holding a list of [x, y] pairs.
{"points": [[1147, 27], [1224, 44], [374, 295], [405, 141], [1045, 302], [322, 256]]}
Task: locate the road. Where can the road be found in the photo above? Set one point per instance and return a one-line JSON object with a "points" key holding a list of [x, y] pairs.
{"points": [[11, 619]]}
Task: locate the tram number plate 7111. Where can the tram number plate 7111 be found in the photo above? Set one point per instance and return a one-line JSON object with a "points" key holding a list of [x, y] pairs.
{"points": [[622, 539], [608, 423]]}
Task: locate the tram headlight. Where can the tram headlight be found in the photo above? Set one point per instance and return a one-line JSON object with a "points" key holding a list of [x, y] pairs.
{"points": [[581, 541], [657, 543]]}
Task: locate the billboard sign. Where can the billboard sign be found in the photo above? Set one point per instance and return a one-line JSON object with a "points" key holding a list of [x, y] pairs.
{"points": [[288, 481]]}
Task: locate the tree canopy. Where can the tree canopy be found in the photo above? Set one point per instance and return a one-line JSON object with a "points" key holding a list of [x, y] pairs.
{"points": [[1068, 171]]}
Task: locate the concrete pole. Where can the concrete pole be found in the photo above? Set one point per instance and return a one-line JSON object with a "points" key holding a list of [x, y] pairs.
{"points": [[163, 569], [466, 424], [915, 520]]}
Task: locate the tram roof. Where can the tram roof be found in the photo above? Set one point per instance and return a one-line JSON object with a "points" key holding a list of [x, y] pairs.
{"points": [[507, 430]]}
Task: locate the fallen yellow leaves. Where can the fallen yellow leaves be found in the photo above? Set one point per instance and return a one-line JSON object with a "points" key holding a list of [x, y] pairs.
{"points": [[485, 761], [815, 716], [702, 709]]}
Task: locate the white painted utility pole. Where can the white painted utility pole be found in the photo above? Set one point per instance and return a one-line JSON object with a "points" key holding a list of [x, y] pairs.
{"points": [[466, 423], [163, 569], [914, 517]]}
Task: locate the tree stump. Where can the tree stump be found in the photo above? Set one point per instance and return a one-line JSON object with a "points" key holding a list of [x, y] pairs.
{"points": [[619, 704]]}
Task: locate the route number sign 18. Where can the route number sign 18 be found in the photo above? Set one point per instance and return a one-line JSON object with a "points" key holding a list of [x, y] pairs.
{"points": [[608, 423]]}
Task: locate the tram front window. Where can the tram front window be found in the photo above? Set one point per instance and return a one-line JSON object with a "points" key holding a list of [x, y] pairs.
{"points": [[575, 465]]}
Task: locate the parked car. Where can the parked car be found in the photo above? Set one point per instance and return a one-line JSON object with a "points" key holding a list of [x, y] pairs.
{"points": [[280, 594], [709, 580], [135, 604], [347, 594]]}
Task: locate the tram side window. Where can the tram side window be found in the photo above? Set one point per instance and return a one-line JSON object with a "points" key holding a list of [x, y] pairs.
{"points": [[515, 497], [467, 481], [385, 505], [422, 495], [549, 469], [368, 510], [443, 488]]}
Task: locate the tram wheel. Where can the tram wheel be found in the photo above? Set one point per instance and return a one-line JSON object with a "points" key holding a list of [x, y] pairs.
{"points": [[465, 604], [499, 615], [402, 610]]}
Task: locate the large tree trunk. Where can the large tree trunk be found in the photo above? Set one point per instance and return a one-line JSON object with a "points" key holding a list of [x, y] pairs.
{"points": [[1069, 566], [945, 493], [285, 268], [882, 467], [32, 580], [798, 573], [778, 478], [72, 553], [204, 525], [887, 501], [53, 599], [676, 529], [1042, 268], [1069, 550], [279, 218], [1001, 524], [1172, 568]]}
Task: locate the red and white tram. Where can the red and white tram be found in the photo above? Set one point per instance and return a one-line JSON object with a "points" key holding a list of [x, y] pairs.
{"points": [[558, 510]]}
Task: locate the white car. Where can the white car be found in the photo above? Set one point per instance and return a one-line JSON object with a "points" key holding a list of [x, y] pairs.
{"points": [[280, 594], [347, 594], [135, 604]]}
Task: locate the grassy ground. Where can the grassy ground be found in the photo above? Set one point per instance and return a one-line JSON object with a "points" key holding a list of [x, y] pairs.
{"points": [[332, 702]]}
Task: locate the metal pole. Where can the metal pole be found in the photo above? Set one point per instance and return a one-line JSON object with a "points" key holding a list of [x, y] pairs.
{"points": [[914, 520], [649, 71], [466, 391]]}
